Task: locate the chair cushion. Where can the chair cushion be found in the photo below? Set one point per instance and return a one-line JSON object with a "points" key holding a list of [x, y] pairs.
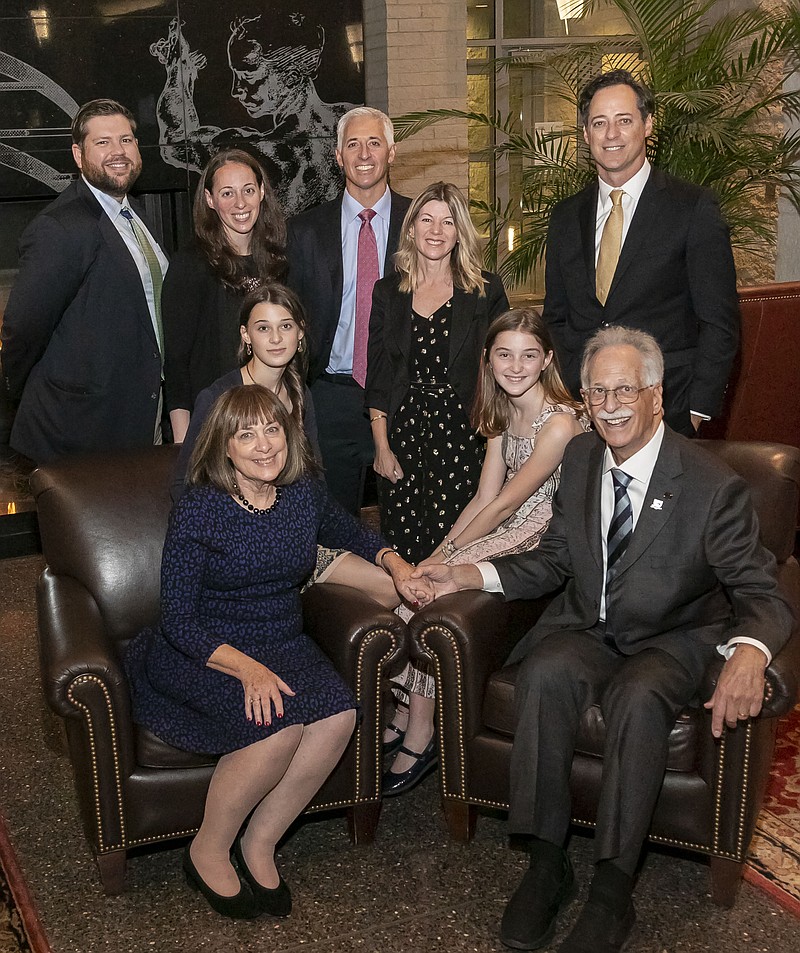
{"points": [[152, 752], [498, 715]]}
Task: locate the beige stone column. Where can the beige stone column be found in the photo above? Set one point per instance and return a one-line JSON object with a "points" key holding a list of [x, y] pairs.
{"points": [[415, 59]]}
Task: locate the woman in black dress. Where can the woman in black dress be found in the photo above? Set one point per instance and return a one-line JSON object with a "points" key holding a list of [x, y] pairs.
{"points": [[426, 334], [239, 243], [427, 328]]}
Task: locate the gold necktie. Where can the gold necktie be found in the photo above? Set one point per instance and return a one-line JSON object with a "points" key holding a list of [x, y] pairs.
{"points": [[610, 244]]}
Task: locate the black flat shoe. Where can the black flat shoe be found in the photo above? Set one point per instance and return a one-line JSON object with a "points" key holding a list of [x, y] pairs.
{"points": [[242, 906], [276, 901], [426, 762], [390, 747]]}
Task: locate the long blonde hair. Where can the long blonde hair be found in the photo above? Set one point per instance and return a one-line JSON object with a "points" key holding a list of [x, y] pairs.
{"points": [[491, 412], [465, 259]]}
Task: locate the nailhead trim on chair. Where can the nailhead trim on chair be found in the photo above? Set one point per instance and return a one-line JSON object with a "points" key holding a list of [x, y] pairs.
{"points": [[439, 703], [126, 843], [713, 849], [81, 679]]}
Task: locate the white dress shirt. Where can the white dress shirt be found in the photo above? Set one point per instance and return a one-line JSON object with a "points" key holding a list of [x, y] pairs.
{"points": [[631, 193]]}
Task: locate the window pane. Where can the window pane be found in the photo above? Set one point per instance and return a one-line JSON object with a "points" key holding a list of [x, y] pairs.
{"points": [[555, 18], [480, 19]]}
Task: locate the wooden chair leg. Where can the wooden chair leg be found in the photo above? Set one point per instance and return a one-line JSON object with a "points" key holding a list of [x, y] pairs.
{"points": [[461, 819], [112, 871], [362, 822], [725, 878]]}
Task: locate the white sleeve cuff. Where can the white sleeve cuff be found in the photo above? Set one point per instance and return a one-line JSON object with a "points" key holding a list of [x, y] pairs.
{"points": [[728, 648], [491, 579]]}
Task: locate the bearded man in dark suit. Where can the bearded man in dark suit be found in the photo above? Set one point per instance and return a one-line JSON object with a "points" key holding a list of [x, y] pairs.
{"points": [[674, 277], [323, 271], [82, 341], [655, 543]]}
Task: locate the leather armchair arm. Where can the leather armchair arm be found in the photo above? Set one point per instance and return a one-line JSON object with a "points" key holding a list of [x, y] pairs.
{"points": [[340, 620], [483, 625], [73, 642]]}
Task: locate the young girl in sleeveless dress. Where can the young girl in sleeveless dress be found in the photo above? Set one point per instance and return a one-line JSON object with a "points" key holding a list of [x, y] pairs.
{"points": [[527, 415]]}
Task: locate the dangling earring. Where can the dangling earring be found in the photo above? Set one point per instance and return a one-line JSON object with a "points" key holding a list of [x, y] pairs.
{"points": [[249, 350], [301, 346]]}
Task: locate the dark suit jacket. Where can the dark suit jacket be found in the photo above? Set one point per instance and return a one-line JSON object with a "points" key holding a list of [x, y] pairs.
{"points": [[693, 576], [316, 274], [79, 349], [675, 279], [389, 351]]}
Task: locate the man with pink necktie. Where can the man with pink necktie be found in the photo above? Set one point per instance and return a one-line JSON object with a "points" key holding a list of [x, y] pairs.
{"points": [[337, 251]]}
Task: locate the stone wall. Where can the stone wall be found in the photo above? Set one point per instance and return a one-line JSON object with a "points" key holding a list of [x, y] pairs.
{"points": [[415, 59]]}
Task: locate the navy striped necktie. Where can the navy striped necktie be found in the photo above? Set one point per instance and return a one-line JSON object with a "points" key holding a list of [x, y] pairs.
{"points": [[621, 528]]}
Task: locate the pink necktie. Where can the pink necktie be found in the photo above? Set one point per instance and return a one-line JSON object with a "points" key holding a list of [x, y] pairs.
{"points": [[367, 273]]}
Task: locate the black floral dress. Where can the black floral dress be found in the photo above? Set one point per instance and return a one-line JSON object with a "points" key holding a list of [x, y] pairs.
{"points": [[440, 454]]}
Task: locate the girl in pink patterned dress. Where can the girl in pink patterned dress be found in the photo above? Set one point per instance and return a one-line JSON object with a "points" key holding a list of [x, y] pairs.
{"points": [[524, 410]]}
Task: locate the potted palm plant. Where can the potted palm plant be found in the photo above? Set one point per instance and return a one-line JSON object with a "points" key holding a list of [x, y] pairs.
{"points": [[722, 96]]}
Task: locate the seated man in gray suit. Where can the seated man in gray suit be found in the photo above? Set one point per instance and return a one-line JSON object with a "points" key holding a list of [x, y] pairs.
{"points": [[657, 544]]}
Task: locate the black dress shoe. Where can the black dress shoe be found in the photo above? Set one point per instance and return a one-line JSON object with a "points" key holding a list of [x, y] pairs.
{"points": [[276, 901], [242, 906], [426, 761], [599, 930], [529, 920]]}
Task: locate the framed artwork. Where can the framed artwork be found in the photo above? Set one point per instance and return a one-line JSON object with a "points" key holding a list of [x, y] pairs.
{"points": [[269, 76]]}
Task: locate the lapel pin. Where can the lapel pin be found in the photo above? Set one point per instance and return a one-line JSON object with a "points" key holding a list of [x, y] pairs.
{"points": [[656, 504], [667, 496]]}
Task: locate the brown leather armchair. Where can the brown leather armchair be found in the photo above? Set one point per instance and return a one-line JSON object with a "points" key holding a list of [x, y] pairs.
{"points": [[712, 790], [102, 522]]}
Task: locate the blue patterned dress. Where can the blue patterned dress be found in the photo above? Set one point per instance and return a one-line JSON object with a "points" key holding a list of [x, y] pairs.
{"points": [[231, 576]]}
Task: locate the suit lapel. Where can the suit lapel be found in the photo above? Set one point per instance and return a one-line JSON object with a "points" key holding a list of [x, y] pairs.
{"points": [[462, 315], [661, 497], [331, 244], [129, 277], [587, 220], [400, 321], [594, 480], [396, 217]]}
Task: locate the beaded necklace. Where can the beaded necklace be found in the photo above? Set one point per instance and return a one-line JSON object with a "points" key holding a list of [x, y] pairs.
{"points": [[254, 509]]}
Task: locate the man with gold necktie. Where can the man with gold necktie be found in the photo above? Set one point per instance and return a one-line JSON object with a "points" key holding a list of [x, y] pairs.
{"points": [[643, 249], [82, 338]]}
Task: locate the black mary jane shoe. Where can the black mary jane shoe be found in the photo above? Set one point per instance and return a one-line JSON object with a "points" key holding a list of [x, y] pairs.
{"points": [[276, 901], [426, 761], [390, 747], [242, 906]]}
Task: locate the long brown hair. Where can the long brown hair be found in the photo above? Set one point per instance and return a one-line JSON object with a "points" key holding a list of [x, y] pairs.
{"points": [[294, 374], [268, 245], [491, 412], [465, 259], [237, 408]]}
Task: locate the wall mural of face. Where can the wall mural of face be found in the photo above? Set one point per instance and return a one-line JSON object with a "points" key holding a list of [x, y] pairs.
{"points": [[269, 75]]}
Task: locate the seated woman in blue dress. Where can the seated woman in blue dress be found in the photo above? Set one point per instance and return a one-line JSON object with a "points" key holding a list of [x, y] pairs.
{"points": [[229, 671]]}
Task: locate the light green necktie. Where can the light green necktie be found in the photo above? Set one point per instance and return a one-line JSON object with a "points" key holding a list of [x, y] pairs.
{"points": [[155, 270]]}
